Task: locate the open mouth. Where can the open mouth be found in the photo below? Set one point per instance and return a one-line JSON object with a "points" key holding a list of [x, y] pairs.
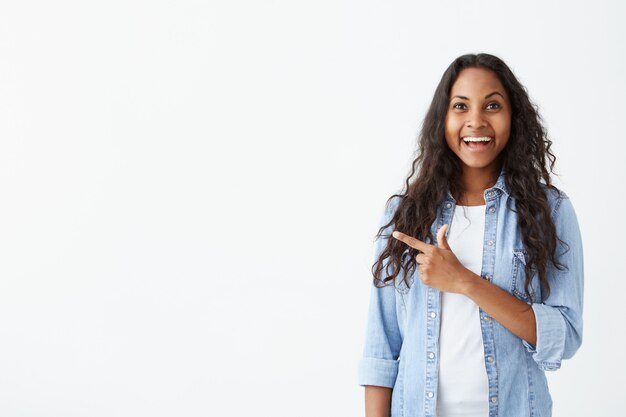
{"points": [[477, 143]]}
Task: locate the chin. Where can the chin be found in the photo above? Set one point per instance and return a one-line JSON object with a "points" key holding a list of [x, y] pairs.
{"points": [[477, 164]]}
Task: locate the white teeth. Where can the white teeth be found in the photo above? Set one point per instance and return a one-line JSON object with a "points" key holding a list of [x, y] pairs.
{"points": [[480, 139]]}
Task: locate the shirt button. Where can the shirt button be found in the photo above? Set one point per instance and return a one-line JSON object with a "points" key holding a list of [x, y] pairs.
{"points": [[490, 359], [490, 193], [490, 242], [494, 399], [448, 205], [433, 314], [492, 209], [430, 394], [487, 277], [486, 318], [431, 355]]}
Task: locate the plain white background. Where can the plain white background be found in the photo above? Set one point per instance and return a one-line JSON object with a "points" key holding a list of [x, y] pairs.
{"points": [[189, 192]]}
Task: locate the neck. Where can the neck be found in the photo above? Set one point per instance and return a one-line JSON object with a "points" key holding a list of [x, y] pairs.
{"points": [[475, 181]]}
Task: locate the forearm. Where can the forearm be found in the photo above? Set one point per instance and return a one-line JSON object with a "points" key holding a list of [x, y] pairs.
{"points": [[377, 401], [506, 309]]}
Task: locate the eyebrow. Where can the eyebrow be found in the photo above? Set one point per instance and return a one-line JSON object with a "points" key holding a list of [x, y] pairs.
{"points": [[487, 96]]}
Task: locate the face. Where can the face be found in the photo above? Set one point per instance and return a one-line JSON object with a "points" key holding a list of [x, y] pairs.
{"points": [[478, 108]]}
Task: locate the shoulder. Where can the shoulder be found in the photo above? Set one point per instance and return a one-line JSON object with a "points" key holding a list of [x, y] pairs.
{"points": [[555, 197], [561, 208], [392, 205]]}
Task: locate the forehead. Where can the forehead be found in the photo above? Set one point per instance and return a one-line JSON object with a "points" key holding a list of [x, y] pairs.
{"points": [[476, 81]]}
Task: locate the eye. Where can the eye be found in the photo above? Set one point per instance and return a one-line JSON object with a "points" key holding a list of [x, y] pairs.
{"points": [[454, 106], [495, 103]]}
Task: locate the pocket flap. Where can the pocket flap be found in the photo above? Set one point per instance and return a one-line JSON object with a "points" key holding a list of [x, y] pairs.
{"points": [[521, 255]]}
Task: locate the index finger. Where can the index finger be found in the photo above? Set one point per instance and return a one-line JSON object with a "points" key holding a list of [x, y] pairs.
{"points": [[411, 241]]}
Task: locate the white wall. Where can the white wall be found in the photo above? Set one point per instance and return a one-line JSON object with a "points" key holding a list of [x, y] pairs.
{"points": [[189, 192]]}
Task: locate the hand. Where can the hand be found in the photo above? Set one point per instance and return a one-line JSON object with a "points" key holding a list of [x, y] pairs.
{"points": [[439, 266]]}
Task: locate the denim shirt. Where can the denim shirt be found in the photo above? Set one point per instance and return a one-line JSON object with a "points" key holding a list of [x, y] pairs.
{"points": [[401, 341]]}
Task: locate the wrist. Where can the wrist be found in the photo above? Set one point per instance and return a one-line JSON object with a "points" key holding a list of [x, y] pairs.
{"points": [[469, 281]]}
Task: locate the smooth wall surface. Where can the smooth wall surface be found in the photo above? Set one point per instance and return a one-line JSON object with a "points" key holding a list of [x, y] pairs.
{"points": [[189, 192]]}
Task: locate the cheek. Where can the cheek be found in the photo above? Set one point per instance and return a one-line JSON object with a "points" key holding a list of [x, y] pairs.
{"points": [[505, 135], [450, 139], [504, 125], [452, 129]]}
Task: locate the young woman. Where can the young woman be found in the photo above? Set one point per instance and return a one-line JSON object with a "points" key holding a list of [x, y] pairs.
{"points": [[478, 279]]}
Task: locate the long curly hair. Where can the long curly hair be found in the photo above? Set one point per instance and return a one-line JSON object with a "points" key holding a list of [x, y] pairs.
{"points": [[439, 169]]}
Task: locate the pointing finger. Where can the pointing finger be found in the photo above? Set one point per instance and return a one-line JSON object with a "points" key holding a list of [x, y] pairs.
{"points": [[411, 241]]}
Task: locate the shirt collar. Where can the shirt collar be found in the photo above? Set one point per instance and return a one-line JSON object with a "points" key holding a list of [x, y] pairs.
{"points": [[501, 182]]}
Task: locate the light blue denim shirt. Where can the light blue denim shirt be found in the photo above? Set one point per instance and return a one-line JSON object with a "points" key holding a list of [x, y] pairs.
{"points": [[401, 342]]}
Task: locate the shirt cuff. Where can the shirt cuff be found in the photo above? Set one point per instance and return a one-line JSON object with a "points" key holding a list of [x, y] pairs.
{"points": [[378, 372], [551, 328]]}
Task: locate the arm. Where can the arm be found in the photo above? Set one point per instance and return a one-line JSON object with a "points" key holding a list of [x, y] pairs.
{"points": [[377, 401], [559, 317], [441, 269], [378, 366], [506, 309], [552, 330]]}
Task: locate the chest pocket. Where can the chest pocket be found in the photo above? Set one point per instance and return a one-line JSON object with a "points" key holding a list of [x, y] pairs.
{"points": [[520, 257]]}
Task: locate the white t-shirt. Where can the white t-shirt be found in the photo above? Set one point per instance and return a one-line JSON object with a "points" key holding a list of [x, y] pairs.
{"points": [[463, 384]]}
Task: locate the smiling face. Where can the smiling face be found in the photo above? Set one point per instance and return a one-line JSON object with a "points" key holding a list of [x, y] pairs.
{"points": [[478, 108]]}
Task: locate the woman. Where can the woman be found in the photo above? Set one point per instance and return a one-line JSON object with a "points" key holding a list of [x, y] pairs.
{"points": [[480, 290]]}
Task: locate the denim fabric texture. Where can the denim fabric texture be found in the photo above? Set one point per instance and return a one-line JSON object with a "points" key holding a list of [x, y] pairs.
{"points": [[401, 341]]}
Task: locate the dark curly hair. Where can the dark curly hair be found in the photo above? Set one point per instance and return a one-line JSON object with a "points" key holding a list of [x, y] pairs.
{"points": [[439, 169]]}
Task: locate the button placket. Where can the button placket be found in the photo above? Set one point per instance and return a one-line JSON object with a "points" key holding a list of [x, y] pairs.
{"points": [[434, 297], [489, 249]]}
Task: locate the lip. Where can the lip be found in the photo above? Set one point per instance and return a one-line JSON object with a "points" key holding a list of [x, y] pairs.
{"points": [[477, 150], [476, 136]]}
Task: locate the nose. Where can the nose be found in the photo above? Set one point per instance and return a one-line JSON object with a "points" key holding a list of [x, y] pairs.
{"points": [[475, 119]]}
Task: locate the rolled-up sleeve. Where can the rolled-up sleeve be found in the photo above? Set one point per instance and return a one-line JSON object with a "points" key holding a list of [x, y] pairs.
{"points": [[379, 363], [559, 318]]}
